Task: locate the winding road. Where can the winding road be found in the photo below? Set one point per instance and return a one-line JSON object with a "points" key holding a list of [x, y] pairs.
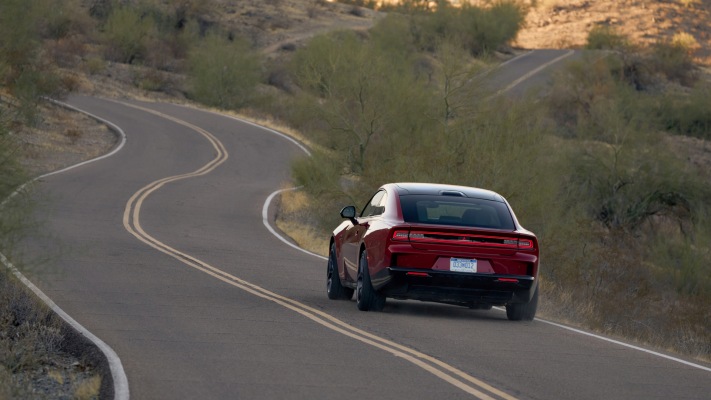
{"points": [[163, 254]]}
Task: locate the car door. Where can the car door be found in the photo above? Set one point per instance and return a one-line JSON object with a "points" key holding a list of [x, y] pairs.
{"points": [[353, 236]]}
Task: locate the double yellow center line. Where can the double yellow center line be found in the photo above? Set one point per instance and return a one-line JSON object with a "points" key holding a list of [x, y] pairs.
{"points": [[132, 223]]}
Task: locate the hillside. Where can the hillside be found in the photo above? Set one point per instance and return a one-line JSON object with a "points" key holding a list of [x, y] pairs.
{"points": [[549, 24], [565, 24]]}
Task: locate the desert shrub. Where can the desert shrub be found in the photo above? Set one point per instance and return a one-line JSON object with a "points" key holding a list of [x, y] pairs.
{"points": [[621, 169], [154, 80], [126, 34], [674, 61], [29, 85], [479, 29], [100, 9], [19, 30], [222, 72], [604, 37], [59, 19], [372, 4], [491, 28], [185, 12], [25, 71], [66, 52], [30, 336], [364, 95], [392, 34], [158, 34], [483, 148], [409, 6], [322, 178], [95, 65], [10, 170], [687, 114], [576, 89], [625, 178], [14, 219]]}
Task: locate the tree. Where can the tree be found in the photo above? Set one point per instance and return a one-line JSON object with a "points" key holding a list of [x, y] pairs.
{"points": [[223, 72]]}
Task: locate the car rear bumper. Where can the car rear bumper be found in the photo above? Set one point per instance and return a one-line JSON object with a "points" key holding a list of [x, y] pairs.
{"points": [[457, 287]]}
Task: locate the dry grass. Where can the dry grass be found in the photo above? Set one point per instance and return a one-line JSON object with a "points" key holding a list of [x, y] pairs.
{"points": [[88, 388], [62, 139], [33, 360], [293, 219]]}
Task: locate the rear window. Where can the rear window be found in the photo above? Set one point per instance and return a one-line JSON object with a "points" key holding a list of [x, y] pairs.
{"points": [[457, 211]]}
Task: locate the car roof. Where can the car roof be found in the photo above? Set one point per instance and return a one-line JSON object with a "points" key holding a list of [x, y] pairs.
{"points": [[410, 188]]}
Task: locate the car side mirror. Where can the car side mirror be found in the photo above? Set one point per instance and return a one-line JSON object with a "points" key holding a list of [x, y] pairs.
{"points": [[348, 212]]}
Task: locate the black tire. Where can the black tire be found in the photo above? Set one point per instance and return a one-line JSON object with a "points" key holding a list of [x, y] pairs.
{"points": [[523, 311], [367, 299], [334, 287]]}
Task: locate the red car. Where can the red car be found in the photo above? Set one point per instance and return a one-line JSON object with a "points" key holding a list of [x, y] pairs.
{"points": [[440, 243]]}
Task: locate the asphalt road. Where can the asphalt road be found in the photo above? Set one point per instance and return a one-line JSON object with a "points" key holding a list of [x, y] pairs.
{"points": [[199, 300]]}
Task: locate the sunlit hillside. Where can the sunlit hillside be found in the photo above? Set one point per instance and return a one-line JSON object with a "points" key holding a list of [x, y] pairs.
{"points": [[566, 23]]}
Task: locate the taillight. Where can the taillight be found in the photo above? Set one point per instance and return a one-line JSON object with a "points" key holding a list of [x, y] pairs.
{"points": [[401, 235], [525, 244], [462, 238], [419, 274]]}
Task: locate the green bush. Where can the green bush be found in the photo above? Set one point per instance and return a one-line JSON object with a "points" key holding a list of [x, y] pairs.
{"points": [[127, 32], [364, 96], [60, 19], [222, 72], [480, 30], [10, 170], [687, 114], [489, 29], [603, 37], [26, 73], [674, 61], [19, 31]]}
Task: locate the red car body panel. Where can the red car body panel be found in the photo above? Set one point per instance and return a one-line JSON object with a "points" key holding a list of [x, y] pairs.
{"points": [[412, 260]]}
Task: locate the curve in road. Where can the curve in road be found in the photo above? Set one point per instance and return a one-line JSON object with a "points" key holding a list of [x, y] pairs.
{"points": [[132, 223]]}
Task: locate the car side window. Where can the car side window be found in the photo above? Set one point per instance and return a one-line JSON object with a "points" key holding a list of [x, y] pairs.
{"points": [[376, 205]]}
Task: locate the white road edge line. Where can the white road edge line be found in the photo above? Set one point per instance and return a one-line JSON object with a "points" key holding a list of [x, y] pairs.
{"points": [[265, 220], [510, 60], [118, 374], [254, 124], [535, 71], [642, 349]]}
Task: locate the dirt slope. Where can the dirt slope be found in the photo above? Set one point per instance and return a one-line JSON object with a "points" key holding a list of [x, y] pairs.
{"points": [[566, 23]]}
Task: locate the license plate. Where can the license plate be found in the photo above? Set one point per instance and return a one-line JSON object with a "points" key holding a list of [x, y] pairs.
{"points": [[462, 265]]}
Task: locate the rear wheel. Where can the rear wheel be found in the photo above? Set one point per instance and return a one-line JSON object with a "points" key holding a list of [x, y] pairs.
{"points": [[523, 311], [367, 298], [334, 288]]}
